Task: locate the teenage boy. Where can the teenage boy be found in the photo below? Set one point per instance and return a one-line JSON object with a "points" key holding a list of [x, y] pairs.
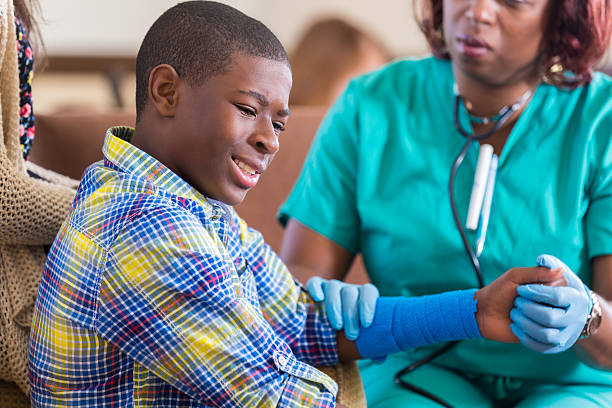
{"points": [[156, 293]]}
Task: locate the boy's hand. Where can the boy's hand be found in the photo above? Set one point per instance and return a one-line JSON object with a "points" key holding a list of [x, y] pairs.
{"points": [[550, 319], [496, 300], [346, 305]]}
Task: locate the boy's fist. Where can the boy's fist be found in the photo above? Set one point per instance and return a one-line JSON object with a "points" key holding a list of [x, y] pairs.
{"points": [[496, 300]]}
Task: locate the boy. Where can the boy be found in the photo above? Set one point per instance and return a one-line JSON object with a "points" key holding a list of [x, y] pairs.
{"points": [[155, 293]]}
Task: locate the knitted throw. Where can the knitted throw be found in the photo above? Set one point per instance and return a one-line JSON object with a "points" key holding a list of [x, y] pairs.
{"points": [[350, 389], [31, 212]]}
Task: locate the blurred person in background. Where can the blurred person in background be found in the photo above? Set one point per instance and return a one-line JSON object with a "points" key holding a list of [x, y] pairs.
{"points": [[327, 56], [33, 201]]}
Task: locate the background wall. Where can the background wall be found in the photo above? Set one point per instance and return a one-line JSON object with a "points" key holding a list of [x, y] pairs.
{"points": [[116, 27]]}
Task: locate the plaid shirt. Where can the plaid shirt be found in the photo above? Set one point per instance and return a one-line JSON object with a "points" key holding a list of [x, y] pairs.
{"points": [[154, 296]]}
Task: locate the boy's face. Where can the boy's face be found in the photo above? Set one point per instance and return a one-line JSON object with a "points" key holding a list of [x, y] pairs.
{"points": [[227, 129]]}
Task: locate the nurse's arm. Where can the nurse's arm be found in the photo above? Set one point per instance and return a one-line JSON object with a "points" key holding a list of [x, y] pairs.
{"points": [[308, 253], [597, 349]]}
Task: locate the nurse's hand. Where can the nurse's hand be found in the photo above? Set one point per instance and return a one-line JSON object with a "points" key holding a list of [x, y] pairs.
{"points": [[346, 304], [496, 300], [550, 319]]}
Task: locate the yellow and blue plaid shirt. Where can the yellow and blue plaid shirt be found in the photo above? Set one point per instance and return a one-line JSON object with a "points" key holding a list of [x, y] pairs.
{"points": [[154, 296]]}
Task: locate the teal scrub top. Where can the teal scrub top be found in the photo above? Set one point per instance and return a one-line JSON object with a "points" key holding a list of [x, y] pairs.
{"points": [[376, 182]]}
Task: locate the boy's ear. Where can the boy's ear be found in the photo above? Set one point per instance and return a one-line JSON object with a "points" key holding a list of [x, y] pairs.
{"points": [[164, 89]]}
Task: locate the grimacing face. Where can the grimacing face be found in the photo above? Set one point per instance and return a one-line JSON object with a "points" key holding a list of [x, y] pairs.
{"points": [[228, 127], [495, 42]]}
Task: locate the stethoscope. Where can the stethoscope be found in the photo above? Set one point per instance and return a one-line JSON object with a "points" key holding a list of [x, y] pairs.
{"points": [[504, 114], [500, 119]]}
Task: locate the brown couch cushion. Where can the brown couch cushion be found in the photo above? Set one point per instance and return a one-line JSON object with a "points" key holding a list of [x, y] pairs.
{"points": [[262, 202], [69, 142]]}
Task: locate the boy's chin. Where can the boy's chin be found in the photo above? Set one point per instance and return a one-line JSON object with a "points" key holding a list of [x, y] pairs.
{"points": [[233, 198]]}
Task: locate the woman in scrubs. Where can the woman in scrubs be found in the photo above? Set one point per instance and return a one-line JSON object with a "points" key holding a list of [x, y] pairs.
{"points": [[376, 183]]}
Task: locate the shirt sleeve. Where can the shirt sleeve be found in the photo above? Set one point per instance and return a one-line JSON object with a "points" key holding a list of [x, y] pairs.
{"points": [[599, 213], [288, 307], [170, 301], [324, 197]]}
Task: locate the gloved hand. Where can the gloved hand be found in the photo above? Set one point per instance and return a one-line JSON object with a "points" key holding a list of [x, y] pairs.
{"points": [[346, 304], [549, 319]]}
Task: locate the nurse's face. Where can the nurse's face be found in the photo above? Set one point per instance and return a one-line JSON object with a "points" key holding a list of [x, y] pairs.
{"points": [[495, 42]]}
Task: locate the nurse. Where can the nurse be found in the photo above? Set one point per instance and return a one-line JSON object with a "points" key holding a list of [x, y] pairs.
{"points": [[376, 183]]}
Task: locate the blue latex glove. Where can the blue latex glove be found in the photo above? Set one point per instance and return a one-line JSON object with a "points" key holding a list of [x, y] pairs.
{"points": [[345, 304], [549, 319]]}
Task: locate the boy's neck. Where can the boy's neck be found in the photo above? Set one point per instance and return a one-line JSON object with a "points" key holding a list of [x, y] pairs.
{"points": [[150, 140], [149, 137], [138, 138]]}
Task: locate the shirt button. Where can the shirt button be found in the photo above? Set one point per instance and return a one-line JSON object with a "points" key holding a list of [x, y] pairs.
{"points": [[282, 360]]}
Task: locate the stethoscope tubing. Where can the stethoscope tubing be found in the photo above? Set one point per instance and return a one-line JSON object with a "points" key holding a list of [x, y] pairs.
{"points": [[471, 137], [466, 244]]}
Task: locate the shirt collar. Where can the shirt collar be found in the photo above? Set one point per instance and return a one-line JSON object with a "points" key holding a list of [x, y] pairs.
{"points": [[122, 154]]}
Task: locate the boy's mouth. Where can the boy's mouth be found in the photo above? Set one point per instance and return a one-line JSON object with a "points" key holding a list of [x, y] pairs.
{"points": [[248, 170], [247, 174]]}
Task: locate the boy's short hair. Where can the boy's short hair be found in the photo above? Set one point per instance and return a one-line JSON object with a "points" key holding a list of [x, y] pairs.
{"points": [[198, 39]]}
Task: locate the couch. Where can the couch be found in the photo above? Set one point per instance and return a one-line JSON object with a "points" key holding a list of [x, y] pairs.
{"points": [[68, 142]]}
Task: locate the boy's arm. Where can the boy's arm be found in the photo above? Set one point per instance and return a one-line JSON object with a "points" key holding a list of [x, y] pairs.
{"points": [[300, 321], [170, 301], [406, 323]]}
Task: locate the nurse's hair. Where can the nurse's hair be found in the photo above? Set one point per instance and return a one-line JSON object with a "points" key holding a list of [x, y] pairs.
{"points": [[198, 39], [575, 39]]}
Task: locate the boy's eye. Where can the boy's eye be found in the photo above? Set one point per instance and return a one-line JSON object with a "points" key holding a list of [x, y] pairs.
{"points": [[246, 110]]}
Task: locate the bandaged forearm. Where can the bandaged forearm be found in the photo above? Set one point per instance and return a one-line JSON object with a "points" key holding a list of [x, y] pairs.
{"points": [[402, 323]]}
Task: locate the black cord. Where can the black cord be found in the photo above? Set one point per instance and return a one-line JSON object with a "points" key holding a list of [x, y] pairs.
{"points": [[412, 367], [507, 113], [466, 244]]}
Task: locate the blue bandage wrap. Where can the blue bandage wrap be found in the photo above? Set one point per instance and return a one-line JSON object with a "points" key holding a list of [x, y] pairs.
{"points": [[402, 323]]}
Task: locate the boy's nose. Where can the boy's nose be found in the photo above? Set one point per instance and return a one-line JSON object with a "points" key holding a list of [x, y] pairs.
{"points": [[265, 140]]}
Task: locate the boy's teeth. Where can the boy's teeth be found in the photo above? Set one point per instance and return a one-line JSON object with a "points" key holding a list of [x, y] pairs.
{"points": [[245, 167]]}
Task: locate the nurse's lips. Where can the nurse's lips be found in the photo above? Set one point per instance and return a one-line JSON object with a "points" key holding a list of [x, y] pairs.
{"points": [[472, 46]]}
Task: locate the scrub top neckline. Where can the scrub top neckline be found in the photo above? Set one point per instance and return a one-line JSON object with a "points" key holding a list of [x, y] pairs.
{"points": [[516, 133]]}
